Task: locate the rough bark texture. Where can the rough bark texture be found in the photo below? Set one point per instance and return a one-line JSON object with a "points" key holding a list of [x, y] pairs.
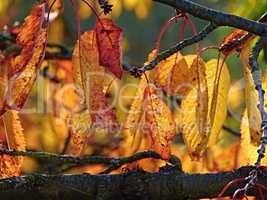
{"points": [[168, 184]]}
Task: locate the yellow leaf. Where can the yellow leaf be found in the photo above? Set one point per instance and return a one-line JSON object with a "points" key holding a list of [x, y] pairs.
{"points": [[90, 76], [80, 124], [10, 166], [129, 4], [248, 151], [135, 118], [194, 120], [158, 122], [251, 99], [217, 97], [173, 75], [131, 127], [195, 117]]}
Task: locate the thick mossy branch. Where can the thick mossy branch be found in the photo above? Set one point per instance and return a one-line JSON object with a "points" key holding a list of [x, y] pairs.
{"points": [[168, 184]]}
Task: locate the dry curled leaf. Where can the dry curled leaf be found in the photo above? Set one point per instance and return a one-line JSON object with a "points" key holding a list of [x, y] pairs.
{"points": [[108, 37], [10, 166]]}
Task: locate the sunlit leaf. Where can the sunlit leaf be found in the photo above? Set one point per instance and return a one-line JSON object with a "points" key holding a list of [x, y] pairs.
{"points": [[133, 121], [198, 129], [79, 125], [108, 36], [218, 94], [251, 99], [248, 151], [28, 37], [90, 76], [10, 166], [56, 9], [173, 75], [20, 85], [159, 122]]}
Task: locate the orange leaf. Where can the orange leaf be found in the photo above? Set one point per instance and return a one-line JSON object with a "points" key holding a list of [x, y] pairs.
{"points": [[80, 124], [90, 75], [173, 75], [27, 38], [20, 85], [159, 122], [10, 166], [108, 40]]}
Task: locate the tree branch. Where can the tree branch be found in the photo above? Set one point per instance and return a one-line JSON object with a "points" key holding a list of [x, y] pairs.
{"points": [[256, 72], [113, 163], [137, 71], [217, 17], [167, 184]]}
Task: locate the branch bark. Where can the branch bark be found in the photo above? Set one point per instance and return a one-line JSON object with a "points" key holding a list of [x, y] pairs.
{"points": [[168, 184]]}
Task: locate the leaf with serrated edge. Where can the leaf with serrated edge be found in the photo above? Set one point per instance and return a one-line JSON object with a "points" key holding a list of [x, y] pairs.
{"points": [[9, 165], [159, 123]]}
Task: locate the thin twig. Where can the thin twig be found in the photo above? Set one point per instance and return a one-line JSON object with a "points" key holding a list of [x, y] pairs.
{"points": [[137, 71], [256, 72]]}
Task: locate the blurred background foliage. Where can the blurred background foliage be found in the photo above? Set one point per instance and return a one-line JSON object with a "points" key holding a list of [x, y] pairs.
{"points": [[141, 21]]}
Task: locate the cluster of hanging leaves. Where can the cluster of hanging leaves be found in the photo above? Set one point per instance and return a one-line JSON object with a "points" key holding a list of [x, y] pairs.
{"points": [[88, 116]]}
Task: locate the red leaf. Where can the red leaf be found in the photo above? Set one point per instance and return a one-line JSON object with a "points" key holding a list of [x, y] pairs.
{"points": [[108, 40]]}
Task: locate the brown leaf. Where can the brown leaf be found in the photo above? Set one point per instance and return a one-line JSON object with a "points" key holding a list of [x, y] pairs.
{"points": [[108, 40]]}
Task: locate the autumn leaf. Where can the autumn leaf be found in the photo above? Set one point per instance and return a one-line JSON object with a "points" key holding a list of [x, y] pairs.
{"points": [[108, 37], [173, 75], [20, 85], [251, 97], [194, 120], [247, 149], [56, 9], [159, 122], [218, 94], [10, 166], [28, 36], [3, 79], [131, 128], [79, 126], [195, 117], [90, 76]]}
